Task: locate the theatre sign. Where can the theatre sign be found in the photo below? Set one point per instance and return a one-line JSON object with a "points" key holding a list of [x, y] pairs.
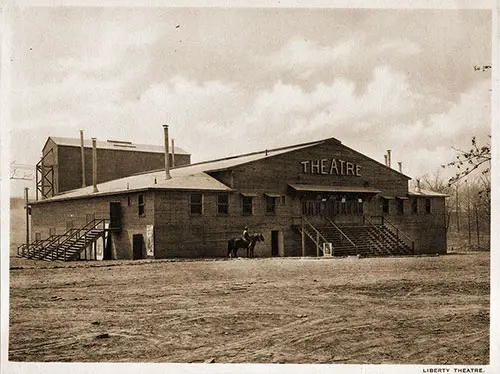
{"points": [[332, 166]]}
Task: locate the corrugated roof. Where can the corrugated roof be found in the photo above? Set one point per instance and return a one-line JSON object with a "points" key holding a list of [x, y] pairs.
{"points": [[189, 177], [426, 193], [116, 145]]}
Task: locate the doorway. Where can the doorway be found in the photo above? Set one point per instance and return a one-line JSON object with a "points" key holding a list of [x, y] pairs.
{"points": [[274, 243], [137, 245]]}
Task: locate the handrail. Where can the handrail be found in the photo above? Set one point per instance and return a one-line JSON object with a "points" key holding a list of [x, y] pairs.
{"points": [[40, 246], [341, 232], [84, 228], [315, 230], [409, 240], [81, 232], [380, 232]]}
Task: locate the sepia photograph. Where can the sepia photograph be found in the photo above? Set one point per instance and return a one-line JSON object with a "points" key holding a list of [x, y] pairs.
{"points": [[270, 187]]}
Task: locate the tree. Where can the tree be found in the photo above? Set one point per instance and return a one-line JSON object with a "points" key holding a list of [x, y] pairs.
{"points": [[473, 161]]}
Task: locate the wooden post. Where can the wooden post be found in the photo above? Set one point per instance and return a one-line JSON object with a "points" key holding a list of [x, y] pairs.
{"points": [[26, 207], [94, 164], [317, 243], [303, 237]]}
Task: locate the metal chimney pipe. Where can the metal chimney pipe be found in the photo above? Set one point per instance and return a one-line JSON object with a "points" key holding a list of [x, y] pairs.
{"points": [[418, 185], [389, 158], [82, 149], [173, 153], [400, 165], [167, 166], [94, 164], [385, 160]]}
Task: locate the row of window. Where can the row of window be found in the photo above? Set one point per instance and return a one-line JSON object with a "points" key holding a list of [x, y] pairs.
{"points": [[247, 203], [401, 205]]}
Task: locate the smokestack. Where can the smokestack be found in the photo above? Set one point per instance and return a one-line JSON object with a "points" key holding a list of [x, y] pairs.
{"points": [[385, 160], [82, 149], [418, 185], [173, 153], [167, 167], [389, 158], [94, 165], [400, 165]]}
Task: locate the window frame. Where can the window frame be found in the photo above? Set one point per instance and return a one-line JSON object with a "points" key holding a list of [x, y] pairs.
{"points": [[224, 205], [141, 205], [250, 204], [271, 202], [428, 206], [196, 204]]}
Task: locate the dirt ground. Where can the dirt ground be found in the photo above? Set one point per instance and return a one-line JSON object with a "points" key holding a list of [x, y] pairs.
{"points": [[418, 310]]}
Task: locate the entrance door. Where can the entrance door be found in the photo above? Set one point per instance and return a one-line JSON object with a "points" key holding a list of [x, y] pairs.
{"points": [[137, 243], [274, 243], [115, 216]]}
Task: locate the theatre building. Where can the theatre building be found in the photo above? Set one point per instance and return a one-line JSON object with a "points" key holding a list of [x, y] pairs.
{"points": [[305, 199]]}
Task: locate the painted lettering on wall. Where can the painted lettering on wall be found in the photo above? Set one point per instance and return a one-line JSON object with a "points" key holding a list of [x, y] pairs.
{"points": [[331, 167]]}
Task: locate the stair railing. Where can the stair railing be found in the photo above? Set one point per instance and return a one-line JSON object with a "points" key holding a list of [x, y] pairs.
{"points": [[400, 234], [342, 234], [89, 226], [306, 223]]}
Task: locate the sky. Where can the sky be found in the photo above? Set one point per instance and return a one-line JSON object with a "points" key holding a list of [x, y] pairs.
{"points": [[234, 80]]}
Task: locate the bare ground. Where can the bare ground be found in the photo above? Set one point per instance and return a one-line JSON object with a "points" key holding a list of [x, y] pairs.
{"points": [[418, 310]]}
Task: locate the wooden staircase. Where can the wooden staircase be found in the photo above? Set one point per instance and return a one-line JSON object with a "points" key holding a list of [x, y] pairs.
{"points": [[366, 239], [67, 246]]}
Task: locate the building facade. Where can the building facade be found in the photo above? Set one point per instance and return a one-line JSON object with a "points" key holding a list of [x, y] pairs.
{"points": [[299, 197]]}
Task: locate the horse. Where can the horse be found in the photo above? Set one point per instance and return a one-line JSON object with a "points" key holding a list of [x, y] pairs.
{"points": [[236, 243]]}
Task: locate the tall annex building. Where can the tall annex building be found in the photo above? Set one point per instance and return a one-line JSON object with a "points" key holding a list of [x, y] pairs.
{"points": [[303, 198]]}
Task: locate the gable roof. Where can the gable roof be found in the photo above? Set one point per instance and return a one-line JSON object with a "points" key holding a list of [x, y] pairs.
{"points": [[114, 145], [187, 177]]}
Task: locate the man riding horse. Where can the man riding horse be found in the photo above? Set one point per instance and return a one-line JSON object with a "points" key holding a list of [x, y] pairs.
{"points": [[247, 242]]}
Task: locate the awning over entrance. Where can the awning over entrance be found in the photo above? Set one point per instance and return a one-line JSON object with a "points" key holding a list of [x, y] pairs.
{"points": [[333, 189]]}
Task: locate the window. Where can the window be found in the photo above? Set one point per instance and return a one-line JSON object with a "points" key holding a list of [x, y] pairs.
{"points": [[223, 204], [414, 205], [427, 205], [385, 205], [141, 205], [196, 203], [270, 205], [283, 200], [247, 205], [401, 206]]}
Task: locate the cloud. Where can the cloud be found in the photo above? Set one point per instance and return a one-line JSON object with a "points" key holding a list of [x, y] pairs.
{"points": [[303, 57]]}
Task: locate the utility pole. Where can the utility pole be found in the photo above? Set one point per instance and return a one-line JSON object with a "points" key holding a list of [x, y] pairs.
{"points": [[457, 207], [26, 207]]}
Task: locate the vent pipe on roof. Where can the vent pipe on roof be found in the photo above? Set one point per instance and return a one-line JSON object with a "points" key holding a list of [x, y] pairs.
{"points": [[82, 149], [94, 165], [385, 160], [167, 167], [400, 165], [389, 158], [173, 153], [418, 185]]}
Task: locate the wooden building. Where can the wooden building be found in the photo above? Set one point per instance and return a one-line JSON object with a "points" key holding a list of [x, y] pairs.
{"points": [[300, 197], [60, 168]]}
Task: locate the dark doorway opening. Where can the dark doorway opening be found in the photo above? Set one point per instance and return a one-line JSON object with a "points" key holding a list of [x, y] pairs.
{"points": [[115, 216], [138, 242], [274, 243]]}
